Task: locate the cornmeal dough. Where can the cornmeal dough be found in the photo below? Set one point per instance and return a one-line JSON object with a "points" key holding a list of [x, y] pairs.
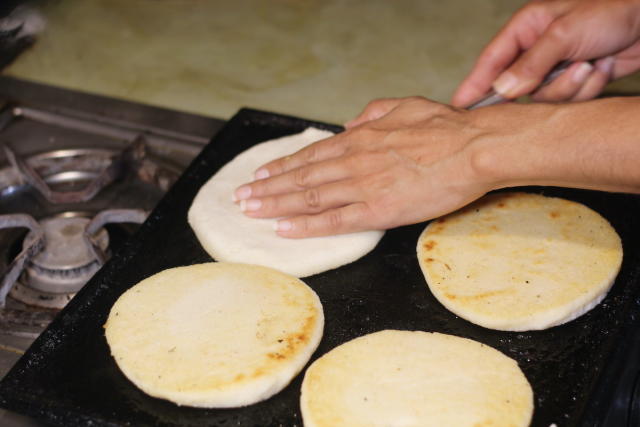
{"points": [[215, 335], [228, 235], [519, 261], [415, 379]]}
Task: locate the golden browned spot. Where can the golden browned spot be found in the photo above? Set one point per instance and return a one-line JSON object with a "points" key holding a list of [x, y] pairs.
{"points": [[494, 228], [477, 297], [447, 265], [257, 373], [436, 230], [239, 377], [554, 214], [429, 245], [294, 340], [502, 204], [290, 343], [429, 259]]}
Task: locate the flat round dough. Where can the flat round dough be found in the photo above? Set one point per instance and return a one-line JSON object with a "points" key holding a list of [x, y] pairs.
{"points": [[228, 235], [413, 378], [215, 335], [519, 261]]}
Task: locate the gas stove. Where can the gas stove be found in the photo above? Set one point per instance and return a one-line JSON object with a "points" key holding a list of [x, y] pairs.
{"points": [[78, 173]]}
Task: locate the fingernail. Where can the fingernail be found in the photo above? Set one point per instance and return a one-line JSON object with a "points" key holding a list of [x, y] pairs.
{"points": [[505, 83], [605, 66], [283, 225], [582, 72], [250, 205], [261, 174], [242, 193]]}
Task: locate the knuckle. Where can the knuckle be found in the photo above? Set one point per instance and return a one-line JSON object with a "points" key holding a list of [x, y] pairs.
{"points": [[416, 98], [258, 188], [376, 103], [310, 154], [334, 219], [420, 101], [537, 9], [527, 69], [270, 205], [312, 198], [530, 8], [301, 177], [560, 30], [276, 167], [302, 224], [334, 145]]}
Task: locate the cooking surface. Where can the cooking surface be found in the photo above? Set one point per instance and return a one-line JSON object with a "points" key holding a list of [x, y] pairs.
{"points": [[68, 377]]}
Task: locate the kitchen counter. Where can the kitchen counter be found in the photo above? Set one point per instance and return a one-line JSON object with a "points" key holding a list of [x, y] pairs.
{"points": [[318, 59]]}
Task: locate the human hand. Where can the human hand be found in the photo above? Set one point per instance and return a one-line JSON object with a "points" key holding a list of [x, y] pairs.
{"points": [[401, 161], [546, 32]]}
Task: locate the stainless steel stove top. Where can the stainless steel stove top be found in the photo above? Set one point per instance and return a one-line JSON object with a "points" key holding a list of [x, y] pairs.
{"points": [[78, 172]]}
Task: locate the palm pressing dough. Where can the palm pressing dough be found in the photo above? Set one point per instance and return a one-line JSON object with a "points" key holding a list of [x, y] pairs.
{"points": [[519, 261], [228, 235], [215, 335], [415, 379]]}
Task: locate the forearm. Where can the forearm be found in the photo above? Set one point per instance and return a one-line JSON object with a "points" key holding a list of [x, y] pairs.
{"points": [[593, 145]]}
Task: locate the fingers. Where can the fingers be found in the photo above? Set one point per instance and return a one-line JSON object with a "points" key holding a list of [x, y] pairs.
{"points": [[595, 84], [627, 62], [567, 85], [581, 81], [295, 180], [528, 71], [309, 201], [374, 110], [519, 34], [316, 152], [498, 54], [347, 219]]}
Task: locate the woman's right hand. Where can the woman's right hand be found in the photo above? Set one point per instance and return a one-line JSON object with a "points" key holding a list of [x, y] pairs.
{"points": [[601, 37]]}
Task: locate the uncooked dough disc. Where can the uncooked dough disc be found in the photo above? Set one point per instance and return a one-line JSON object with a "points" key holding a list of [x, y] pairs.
{"points": [[415, 379], [215, 335], [228, 235], [519, 261]]}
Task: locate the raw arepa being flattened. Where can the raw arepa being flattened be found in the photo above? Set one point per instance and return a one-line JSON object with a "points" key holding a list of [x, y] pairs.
{"points": [[415, 379], [519, 261], [228, 235], [215, 335]]}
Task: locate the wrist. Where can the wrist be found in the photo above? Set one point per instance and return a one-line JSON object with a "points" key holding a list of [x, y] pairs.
{"points": [[505, 153], [586, 145]]}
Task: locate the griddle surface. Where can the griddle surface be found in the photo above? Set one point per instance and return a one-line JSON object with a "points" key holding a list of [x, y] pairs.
{"points": [[69, 378]]}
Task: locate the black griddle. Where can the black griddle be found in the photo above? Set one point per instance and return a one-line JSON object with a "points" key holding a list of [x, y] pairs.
{"points": [[68, 377]]}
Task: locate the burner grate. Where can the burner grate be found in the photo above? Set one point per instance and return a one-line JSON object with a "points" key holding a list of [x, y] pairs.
{"points": [[67, 199]]}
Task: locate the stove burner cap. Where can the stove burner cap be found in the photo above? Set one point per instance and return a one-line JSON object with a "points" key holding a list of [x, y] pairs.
{"points": [[66, 263]]}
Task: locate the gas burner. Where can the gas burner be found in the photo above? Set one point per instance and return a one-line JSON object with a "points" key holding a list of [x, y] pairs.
{"points": [[64, 199], [59, 255], [53, 276], [66, 262]]}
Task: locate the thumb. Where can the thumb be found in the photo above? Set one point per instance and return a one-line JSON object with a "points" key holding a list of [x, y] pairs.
{"points": [[374, 110], [529, 70]]}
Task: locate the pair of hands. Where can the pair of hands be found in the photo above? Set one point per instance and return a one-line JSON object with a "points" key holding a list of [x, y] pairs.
{"points": [[403, 161]]}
